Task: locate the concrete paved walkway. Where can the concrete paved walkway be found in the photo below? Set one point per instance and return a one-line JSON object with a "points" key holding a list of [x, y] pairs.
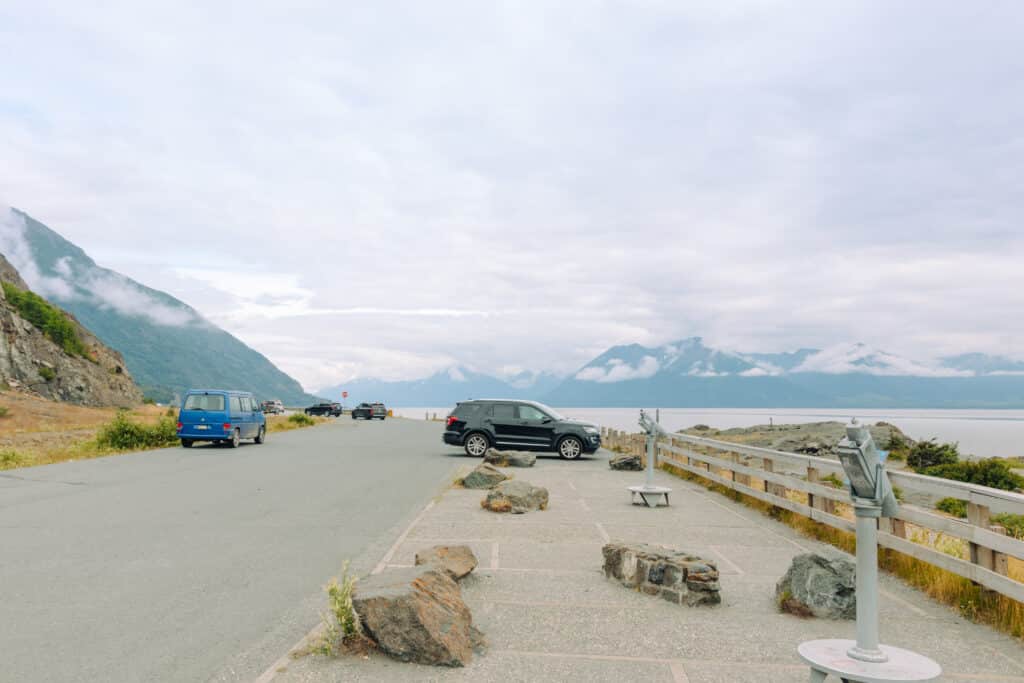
{"points": [[549, 614]]}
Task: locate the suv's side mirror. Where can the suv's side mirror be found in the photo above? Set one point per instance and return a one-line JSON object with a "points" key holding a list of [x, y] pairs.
{"points": [[546, 420]]}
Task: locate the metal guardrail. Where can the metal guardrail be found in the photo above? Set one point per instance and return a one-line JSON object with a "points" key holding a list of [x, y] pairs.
{"points": [[768, 475]]}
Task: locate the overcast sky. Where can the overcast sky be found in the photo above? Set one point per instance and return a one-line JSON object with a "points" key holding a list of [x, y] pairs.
{"points": [[385, 189]]}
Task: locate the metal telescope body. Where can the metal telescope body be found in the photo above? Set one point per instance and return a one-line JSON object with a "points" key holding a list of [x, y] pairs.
{"points": [[649, 494]]}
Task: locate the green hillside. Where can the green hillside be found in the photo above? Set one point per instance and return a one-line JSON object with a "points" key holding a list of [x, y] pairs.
{"points": [[167, 345]]}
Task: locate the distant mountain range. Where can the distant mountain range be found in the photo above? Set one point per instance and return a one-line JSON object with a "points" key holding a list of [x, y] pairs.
{"points": [[443, 388], [688, 373], [167, 346]]}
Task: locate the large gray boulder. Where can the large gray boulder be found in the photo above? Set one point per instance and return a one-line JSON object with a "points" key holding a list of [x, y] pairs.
{"points": [[457, 560], [626, 461], [516, 496], [417, 615], [509, 458], [484, 476], [819, 587], [677, 576]]}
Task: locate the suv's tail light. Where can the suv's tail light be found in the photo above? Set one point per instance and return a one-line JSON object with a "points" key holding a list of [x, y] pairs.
{"points": [[451, 420]]}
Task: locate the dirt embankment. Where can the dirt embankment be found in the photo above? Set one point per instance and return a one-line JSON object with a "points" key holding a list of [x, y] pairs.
{"points": [[813, 438]]}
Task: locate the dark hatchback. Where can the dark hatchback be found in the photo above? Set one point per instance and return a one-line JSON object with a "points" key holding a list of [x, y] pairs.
{"points": [[522, 425]]}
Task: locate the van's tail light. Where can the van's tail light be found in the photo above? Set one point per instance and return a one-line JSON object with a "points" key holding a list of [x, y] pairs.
{"points": [[227, 426], [180, 426], [452, 420]]}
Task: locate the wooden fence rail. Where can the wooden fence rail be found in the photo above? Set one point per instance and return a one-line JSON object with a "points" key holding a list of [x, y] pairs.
{"points": [[771, 476]]}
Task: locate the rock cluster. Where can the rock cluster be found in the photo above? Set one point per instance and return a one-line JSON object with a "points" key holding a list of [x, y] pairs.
{"points": [[417, 614], [516, 497], [509, 458], [627, 462], [676, 576], [819, 587], [484, 476]]}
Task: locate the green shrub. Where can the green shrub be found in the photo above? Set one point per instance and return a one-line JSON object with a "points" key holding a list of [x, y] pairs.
{"points": [[1014, 524], [124, 435], [10, 459], [925, 454], [953, 506], [832, 480], [898, 447], [52, 321], [301, 419], [147, 401], [341, 623], [992, 472], [4, 411], [47, 373]]}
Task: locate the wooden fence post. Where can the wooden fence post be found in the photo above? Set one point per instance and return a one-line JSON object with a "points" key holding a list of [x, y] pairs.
{"points": [[1000, 561], [823, 504], [770, 486], [978, 515]]}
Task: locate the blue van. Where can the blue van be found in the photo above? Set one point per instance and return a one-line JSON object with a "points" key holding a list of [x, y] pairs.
{"points": [[221, 416]]}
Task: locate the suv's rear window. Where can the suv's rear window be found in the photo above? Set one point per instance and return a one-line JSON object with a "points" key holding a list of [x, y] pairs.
{"points": [[504, 411], [213, 402]]}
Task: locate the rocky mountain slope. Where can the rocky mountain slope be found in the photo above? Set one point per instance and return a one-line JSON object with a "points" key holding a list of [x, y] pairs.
{"points": [[80, 369], [168, 346]]}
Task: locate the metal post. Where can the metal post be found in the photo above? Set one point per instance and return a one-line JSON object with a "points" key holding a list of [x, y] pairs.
{"points": [[866, 649], [651, 446]]}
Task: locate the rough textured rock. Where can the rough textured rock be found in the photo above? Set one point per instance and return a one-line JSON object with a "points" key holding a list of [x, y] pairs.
{"points": [[484, 477], [417, 615], [28, 357], [509, 458], [816, 586], [457, 560], [626, 461], [675, 576], [516, 497]]}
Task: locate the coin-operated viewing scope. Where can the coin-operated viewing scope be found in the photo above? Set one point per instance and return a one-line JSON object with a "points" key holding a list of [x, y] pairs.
{"points": [[865, 470]]}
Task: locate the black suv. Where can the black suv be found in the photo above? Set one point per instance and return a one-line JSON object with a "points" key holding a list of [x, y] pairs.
{"points": [[370, 411], [332, 409], [522, 425]]}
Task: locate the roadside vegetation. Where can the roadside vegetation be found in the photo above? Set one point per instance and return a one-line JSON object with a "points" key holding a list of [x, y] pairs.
{"points": [[280, 423], [52, 321], [341, 626]]}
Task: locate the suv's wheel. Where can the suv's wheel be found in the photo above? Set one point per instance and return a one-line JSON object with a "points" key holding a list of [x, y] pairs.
{"points": [[570, 448], [262, 436], [186, 443], [477, 444], [236, 439]]}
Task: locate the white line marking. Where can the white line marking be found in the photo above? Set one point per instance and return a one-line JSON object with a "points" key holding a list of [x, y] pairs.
{"points": [[604, 534], [401, 539], [571, 485], [906, 603], [283, 661], [583, 504], [494, 555], [726, 560], [678, 672]]}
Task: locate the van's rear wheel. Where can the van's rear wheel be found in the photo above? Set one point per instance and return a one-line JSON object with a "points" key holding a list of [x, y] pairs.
{"points": [[262, 436], [570, 448], [236, 439], [477, 444]]}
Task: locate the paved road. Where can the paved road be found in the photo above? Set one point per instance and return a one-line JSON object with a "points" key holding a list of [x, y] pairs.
{"points": [[202, 564]]}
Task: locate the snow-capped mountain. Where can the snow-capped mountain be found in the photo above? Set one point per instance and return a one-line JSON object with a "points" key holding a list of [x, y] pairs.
{"points": [[444, 388], [689, 373]]}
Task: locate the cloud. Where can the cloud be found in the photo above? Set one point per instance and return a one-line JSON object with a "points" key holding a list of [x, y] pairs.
{"points": [[528, 185], [617, 370], [859, 358], [108, 289]]}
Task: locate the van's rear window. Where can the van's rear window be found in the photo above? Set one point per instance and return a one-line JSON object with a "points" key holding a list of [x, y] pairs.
{"points": [[213, 402]]}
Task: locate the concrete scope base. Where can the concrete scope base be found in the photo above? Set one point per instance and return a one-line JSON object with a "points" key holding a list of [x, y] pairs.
{"points": [[830, 657], [651, 496]]}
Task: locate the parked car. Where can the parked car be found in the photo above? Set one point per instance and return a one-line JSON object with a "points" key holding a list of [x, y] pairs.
{"points": [[220, 416], [272, 407], [522, 425], [325, 409], [370, 411]]}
